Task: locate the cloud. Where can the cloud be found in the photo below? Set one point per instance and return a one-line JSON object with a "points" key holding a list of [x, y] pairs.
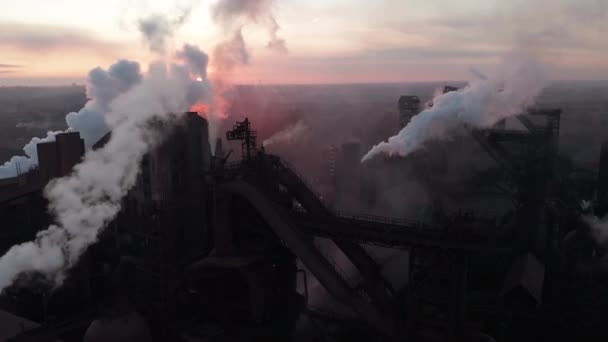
{"points": [[225, 11], [424, 54], [156, 30], [565, 24], [233, 14], [43, 38], [230, 53]]}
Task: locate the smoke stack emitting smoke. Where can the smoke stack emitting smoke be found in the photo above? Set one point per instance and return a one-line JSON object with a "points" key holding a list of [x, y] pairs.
{"points": [[131, 105], [232, 52], [88, 199], [598, 229], [482, 103], [102, 88], [288, 135]]}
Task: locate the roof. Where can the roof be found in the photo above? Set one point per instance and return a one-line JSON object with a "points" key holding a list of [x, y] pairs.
{"points": [[409, 98]]}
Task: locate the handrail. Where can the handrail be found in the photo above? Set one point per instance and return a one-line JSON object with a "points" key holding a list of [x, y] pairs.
{"points": [[391, 223], [383, 219], [287, 167]]}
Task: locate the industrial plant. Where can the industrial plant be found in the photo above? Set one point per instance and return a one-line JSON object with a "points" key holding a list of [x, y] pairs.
{"points": [[222, 240]]}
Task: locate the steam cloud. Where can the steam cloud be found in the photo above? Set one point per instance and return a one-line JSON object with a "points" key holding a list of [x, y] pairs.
{"points": [[238, 12], [135, 108], [288, 135], [158, 29], [599, 229], [232, 16], [276, 43], [482, 103], [231, 53], [88, 199], [102, 88]]}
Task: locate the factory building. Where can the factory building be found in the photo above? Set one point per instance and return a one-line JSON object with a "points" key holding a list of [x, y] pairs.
{"points": [[209, 250], [409, 106]]}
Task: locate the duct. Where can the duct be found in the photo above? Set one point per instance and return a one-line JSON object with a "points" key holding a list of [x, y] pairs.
{"points": [[374, 283], [309, 255]]}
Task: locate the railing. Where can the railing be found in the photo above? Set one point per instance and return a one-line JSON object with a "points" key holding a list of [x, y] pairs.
{"points": [[283, 165], [301, 179], [383, 219]]}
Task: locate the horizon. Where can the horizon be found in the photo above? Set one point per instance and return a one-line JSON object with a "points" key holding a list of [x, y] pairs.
{"points": [[84, 84]]}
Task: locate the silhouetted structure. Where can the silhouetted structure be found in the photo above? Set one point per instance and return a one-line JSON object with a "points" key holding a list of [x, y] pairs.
{"points": [[408, 107], [213, 251]]}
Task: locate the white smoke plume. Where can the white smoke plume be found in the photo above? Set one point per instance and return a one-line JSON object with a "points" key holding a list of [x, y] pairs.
{"points": [[231, 53], [102, 88], [276, 43], [236, 13], [599, 229], [227, 11], [158, 29], [482, 103], [88, 199], [288, 135], [196, 60]]}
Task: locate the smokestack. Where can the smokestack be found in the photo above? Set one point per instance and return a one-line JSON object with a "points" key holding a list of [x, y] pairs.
{"points": [[89, 198], [102, 88], [289, 135], [482, 103]]}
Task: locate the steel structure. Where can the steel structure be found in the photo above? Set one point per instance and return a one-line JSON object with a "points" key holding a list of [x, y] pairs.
{"points": [[202, 240]]}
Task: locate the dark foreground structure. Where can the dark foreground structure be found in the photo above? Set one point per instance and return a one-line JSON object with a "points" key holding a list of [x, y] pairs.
{"points": [[207, 250]]}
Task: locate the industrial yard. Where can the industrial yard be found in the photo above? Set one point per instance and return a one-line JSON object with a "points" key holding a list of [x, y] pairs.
{"points": [[222, 240]]}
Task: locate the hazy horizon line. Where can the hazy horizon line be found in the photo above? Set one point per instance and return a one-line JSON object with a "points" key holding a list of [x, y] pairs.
{"points": [[76, 84]]}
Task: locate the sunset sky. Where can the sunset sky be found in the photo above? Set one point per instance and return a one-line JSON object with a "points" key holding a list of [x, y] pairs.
{"points": [[328, 41]]}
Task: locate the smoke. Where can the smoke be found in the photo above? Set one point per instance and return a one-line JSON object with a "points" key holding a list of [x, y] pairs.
{"points": [[158, 29], [231, 53], [482, 103], [231, 13], [102, 88], [287, 136], [226, 11], [195, 59], [24, 163], [599, 229], [477, 73], [87, 200], [277, 44]]}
